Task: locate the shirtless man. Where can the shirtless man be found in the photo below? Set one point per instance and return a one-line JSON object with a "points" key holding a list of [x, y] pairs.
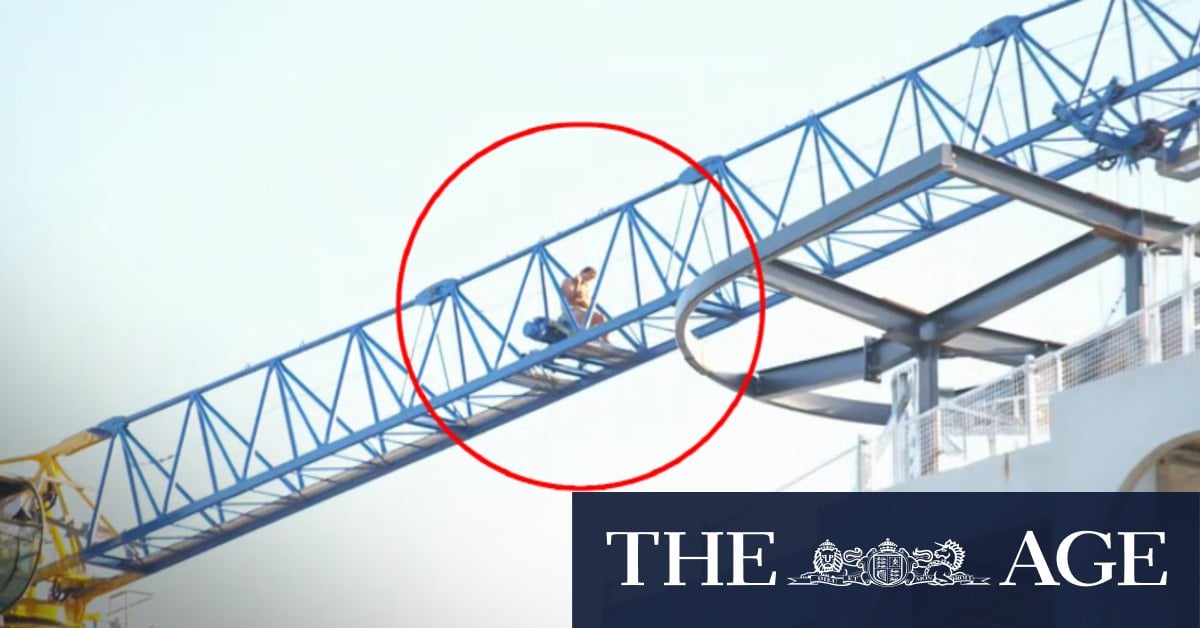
{"points": [[577, 291]]}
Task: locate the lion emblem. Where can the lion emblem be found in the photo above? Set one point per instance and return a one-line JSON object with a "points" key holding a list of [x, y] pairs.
{"points": [[827, 559]]}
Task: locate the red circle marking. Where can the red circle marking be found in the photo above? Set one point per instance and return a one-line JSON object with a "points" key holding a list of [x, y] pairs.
{"points": [[762, 296]]}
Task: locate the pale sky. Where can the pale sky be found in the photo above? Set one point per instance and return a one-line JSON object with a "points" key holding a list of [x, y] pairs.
{"points": [[189, 187]]}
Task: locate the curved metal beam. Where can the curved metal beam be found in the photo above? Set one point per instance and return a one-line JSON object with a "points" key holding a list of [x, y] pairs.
{"points": [[832, 407], [952, 330], [842, 211]]}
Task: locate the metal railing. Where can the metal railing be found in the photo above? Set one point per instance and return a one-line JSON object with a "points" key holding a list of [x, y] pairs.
{"points": [[1013, 411]]}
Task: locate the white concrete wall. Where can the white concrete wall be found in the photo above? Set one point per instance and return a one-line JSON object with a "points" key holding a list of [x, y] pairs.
{"points": [[1098, 433]]}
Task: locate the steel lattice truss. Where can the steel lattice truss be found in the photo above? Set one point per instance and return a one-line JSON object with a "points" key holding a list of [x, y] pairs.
{"points": [[144, 491]]}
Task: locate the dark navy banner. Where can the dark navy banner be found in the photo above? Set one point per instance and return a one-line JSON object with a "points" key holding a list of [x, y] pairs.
{"points": [[927, 560]]}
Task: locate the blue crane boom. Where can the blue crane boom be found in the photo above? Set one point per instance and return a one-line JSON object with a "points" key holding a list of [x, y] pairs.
{"points": [[135, 494]]}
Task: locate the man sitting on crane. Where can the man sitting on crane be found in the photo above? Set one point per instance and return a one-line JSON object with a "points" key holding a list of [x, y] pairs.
{"points": [[577, 291]]}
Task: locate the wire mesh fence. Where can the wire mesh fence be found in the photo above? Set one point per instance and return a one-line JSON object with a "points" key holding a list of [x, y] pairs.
{"points": [[1013, 411]]}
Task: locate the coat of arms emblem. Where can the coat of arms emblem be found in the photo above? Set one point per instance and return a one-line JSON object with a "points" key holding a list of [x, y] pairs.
{"points": [[888, 565]]}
